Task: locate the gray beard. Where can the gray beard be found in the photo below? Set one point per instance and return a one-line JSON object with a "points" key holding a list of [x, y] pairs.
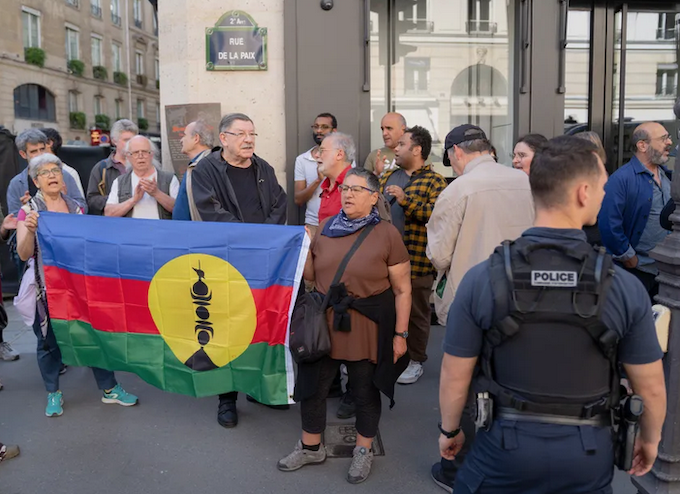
{"points": [[655, 157]]}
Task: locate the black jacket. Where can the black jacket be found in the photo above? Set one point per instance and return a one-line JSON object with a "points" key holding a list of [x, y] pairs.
{"points": [[215, 198]]}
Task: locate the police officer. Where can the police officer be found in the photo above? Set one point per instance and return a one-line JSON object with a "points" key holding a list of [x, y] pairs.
{"points": [[548, 319]]}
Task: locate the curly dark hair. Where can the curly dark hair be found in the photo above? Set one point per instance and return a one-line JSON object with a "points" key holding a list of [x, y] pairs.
{"points": [[420, 136]]}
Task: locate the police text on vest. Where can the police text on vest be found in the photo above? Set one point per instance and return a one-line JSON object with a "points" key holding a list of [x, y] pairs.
{"points": [[554, 278]]}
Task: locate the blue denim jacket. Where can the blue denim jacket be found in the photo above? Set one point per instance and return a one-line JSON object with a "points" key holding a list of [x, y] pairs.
{"points": [[625, 209], [19, 185]]}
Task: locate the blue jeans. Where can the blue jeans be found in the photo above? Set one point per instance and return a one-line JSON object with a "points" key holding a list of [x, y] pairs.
{"points": [[49, 361]]}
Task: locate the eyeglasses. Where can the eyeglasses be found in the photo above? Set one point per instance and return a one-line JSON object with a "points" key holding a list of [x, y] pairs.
{"points": [[323, 150], [354, 188], [321, 127], [665, 137], [519, 156], [46, 173], [140, 153], [242, 135]]}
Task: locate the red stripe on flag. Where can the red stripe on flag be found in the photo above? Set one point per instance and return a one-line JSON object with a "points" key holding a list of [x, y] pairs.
{"points": [[121, 305]]}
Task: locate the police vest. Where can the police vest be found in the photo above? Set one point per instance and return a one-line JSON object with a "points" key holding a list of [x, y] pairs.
{"points": [[548, 351]]}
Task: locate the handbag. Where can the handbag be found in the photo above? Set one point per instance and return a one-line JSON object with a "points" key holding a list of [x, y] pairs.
{"points": [[25, 301], [309, 333]]}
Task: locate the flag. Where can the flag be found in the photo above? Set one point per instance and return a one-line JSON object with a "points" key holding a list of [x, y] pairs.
{"points": [[191, 307]]}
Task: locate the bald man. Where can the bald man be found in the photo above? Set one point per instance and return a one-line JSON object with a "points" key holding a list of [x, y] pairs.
{"points": [[635, 195], [392, 127]]}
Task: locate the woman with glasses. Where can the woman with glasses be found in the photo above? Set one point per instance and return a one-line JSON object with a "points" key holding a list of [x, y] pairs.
{"points": [[368, 319], [145, 191], [47, 174], [525, 149]]}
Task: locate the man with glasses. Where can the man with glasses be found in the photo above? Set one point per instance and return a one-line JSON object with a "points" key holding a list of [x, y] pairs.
{"points": [[144, 191], [335, 157], [635, 195], [232, 185], [307, 176]]}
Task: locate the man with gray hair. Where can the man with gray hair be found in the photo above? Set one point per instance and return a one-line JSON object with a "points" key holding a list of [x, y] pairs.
{"points": [[197, 142], [335, 157], [32, 143], [108, 170], [145, 191], [234, 185]]}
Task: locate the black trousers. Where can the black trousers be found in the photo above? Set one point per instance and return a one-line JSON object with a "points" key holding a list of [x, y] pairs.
{"points": [[648, 280], [365, 394]]}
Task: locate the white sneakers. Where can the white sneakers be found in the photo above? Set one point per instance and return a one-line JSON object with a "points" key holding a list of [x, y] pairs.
{"points": [[412, 373]]}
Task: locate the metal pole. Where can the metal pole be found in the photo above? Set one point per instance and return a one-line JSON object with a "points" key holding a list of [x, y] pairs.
{"points": [[127, 50], [665, 475]]}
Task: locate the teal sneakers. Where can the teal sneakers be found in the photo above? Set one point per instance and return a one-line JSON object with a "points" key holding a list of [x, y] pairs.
{"points": [[120, 396], [54, 404]]}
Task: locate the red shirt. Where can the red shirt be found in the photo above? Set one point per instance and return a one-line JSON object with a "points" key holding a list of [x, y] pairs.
{"points": [[330, 198]]}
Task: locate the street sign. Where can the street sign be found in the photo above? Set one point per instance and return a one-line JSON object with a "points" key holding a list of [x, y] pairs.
{"points": [[236, 43]]}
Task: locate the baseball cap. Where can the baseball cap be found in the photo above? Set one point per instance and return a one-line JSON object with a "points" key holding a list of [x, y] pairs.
{"points": [[462, 133]]}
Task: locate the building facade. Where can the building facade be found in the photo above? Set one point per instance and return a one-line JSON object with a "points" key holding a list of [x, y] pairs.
{"points": [[78, 64]]}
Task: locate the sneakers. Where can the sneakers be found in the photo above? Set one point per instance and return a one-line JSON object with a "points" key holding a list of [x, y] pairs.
{"points": [[55, 402], [8, 451], [412, 373], [120, 396], [361, 465], [440, 479], [301, 457], [7, 352], [63, 369], [347, 408]]}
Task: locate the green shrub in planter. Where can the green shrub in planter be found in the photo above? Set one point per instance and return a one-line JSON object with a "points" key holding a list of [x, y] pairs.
{"points": [[35, 56], [143, 123], [76, 67], [77, 120], [100, 72], [120, 78], [102, 121]]}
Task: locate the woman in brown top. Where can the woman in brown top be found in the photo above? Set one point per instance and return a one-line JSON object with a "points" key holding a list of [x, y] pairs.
{"points": [[368, 320]]}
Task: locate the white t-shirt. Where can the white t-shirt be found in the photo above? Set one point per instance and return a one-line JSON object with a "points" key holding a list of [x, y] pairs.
{"points": [[147, 208], [74, 173], [306, 168]]}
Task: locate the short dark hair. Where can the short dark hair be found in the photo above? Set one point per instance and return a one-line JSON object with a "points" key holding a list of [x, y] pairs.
{"points": [[639, 134], [420, 136], [534, 141], [54, 136], [331, 116], [557, 164]]}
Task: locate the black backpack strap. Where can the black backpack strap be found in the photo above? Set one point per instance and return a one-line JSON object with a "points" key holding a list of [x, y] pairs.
{"points": [[343, 265], [410, 181]]}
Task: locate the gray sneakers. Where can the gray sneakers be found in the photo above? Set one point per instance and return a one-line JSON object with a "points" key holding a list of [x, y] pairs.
{"points": [[301, 457], [7, 352], [361, 465]]}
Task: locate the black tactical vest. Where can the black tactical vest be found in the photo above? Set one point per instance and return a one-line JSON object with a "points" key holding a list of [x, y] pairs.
{"points": [[551, 354]]}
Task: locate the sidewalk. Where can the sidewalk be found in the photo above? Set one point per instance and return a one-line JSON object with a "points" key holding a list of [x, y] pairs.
{"points": [[172, 443]]}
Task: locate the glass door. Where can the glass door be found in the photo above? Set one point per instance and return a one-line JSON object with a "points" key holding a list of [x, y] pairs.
{"points": [[442, 63]]}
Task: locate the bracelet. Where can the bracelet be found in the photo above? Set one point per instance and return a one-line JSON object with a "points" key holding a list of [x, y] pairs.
{"points": [[449, 434]]}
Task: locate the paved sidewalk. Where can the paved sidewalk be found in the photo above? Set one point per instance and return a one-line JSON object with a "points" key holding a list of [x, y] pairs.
{"points": [[173, 444]]}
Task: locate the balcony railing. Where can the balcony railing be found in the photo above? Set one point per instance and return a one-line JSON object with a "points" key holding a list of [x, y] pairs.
{"points": [[96, 10], [419, 26], [142, 80], [662, 33], [138, 23], [73, 3], [482, 27], [115, 19]]}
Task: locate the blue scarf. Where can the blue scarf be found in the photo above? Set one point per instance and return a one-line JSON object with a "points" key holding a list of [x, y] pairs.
{"points": [[341, 226]]}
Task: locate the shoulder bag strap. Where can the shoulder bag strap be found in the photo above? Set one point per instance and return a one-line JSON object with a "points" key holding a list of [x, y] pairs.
{"points": [[410, 181], [102, 183], [345, 261]]}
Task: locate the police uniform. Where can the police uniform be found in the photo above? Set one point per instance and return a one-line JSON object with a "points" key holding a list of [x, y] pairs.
{"points": [[550, 319]]}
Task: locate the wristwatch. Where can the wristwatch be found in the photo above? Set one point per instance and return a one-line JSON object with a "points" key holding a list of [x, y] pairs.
{"points": [[448, 434], [403, 335]]}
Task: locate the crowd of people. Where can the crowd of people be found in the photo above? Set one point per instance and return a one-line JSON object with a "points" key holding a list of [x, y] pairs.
{"points": [[408, 236]]}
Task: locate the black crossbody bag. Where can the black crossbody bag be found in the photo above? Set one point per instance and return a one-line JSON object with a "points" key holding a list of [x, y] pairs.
{"points": [[309, 333]]}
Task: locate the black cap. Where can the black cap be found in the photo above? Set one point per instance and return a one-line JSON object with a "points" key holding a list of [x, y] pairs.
{"points": [[462, 133]]}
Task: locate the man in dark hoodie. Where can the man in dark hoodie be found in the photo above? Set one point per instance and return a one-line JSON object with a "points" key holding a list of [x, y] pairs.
{"points": [[235, 185]]}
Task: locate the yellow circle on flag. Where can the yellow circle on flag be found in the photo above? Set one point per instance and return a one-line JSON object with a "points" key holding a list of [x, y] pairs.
{"points": [[204, 310]]}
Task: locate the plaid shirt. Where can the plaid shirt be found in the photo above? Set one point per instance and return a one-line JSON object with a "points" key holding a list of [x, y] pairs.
{"points": [[421, 193]]}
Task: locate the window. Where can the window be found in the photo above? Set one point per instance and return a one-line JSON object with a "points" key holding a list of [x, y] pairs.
{"points": [[666, 80], [480, 17], [666, 27], [119, 108], [96, 8], [99, 105], [34, 102], [137, 12], [417, 74], [72, 101], [155, 24], [140, 108], [139, 63], [31, 21], [117, 52], [158, 115], [157, 69], [72, 44], [115, 12], [73, 3], [96, 51]]}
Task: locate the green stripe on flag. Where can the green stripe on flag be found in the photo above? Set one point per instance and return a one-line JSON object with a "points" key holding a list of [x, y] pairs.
{"points": [[260, 371]]}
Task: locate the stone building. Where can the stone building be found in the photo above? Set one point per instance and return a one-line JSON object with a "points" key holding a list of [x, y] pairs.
{"points": [[77, 64]]}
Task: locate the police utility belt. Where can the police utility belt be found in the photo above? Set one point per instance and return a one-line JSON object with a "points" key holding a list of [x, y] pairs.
{"points": [[548, 357]]}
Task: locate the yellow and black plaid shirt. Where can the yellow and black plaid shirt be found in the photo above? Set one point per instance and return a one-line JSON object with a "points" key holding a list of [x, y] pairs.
{"points": [[421, 193]]}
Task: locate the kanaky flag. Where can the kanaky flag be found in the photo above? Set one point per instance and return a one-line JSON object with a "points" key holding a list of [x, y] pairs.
{"points": [[191, 307]]}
